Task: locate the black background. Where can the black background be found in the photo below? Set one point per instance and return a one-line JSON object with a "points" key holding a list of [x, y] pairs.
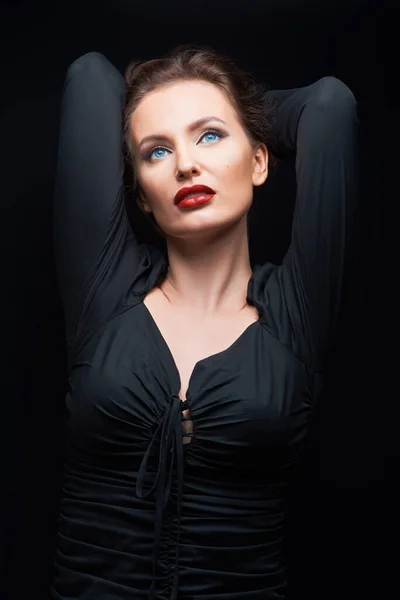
{"points": [[342, 528]]}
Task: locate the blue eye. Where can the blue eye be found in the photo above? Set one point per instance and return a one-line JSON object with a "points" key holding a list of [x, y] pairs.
{"points": [[153, 153], [156, 152], [207, 134]]}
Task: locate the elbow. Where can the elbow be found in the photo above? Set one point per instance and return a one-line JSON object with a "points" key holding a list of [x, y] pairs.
{"points": [[86, 63], [333, 94]]}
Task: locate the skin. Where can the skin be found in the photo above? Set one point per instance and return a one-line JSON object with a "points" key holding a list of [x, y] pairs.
{"points": [[209, 266]]}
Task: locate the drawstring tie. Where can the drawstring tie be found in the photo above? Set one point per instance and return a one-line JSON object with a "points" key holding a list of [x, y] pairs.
{"points": [[169, 435]]}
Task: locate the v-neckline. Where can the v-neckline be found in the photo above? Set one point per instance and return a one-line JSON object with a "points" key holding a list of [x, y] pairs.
{"points": [[202, 360]]}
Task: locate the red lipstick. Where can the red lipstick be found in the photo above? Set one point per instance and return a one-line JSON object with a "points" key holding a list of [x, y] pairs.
{"points": [[196, 195]]}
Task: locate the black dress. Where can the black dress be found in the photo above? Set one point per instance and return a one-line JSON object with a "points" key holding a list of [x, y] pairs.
{"points": [[142, 514]]}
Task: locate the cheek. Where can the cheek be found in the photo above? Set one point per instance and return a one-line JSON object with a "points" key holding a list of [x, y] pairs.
{"points": [[238, 169], [154, 186]]}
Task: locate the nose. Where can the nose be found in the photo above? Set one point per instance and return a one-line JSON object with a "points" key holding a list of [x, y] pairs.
{"points": [[186, 166]]}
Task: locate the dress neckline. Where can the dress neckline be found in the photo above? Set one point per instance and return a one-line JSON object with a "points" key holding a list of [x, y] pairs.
{"points": [[214, 356]]}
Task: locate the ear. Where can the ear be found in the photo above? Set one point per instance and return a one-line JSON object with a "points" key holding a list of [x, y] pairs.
{"points": [[260, 165]]}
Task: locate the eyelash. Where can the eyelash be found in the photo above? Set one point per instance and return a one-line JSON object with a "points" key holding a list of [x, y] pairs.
{"points": [[150, 152]]}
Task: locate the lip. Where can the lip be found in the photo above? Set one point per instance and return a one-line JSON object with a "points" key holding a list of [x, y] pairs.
{"points": [[194, 189]]}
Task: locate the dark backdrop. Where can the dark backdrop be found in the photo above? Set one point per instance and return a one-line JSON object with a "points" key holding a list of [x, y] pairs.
{"points": [[342, 519]]}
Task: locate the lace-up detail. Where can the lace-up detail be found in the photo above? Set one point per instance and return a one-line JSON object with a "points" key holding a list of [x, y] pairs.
{"points": [[187, 423], [173, 431]]}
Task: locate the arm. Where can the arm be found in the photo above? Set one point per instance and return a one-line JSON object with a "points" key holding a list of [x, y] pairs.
{"points": [[90, 224], [319, 124]]}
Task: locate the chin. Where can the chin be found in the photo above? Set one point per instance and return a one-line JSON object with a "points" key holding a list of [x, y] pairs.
{"points": [[203, 227]]}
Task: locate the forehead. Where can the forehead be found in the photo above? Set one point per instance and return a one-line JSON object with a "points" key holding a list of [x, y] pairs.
{"points": [[175, 106]]}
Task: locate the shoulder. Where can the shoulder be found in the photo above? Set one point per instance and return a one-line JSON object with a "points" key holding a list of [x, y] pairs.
{"points": [[281, 312]]}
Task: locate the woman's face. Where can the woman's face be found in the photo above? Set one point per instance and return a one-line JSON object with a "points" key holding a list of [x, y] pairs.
{"points": [[172, 149]]}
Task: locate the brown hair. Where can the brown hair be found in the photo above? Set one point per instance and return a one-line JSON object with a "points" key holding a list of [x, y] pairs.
{"points": [[188, 63]]}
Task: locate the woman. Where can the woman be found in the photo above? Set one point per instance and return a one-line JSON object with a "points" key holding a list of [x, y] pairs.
{"points": [[192, 379]]}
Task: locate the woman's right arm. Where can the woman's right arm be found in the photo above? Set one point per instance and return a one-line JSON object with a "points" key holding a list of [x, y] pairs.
{"points": [[91, 228]]}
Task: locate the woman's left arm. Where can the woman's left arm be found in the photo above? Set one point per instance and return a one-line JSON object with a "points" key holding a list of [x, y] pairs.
{"points": [[319, 124]]}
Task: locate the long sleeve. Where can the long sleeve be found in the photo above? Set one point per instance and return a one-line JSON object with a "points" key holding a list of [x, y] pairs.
{"points": [[319, 125], [91, 230]]}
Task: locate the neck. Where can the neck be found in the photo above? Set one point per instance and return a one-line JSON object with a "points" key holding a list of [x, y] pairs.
{"points": [[209, 276]]}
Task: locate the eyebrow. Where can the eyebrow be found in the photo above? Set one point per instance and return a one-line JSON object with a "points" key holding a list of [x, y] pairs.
{"points": [[192, 127]]}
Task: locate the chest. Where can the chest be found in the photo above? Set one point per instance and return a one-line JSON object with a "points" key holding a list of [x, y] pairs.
{"points": [[245, 399], [191, 340]]}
